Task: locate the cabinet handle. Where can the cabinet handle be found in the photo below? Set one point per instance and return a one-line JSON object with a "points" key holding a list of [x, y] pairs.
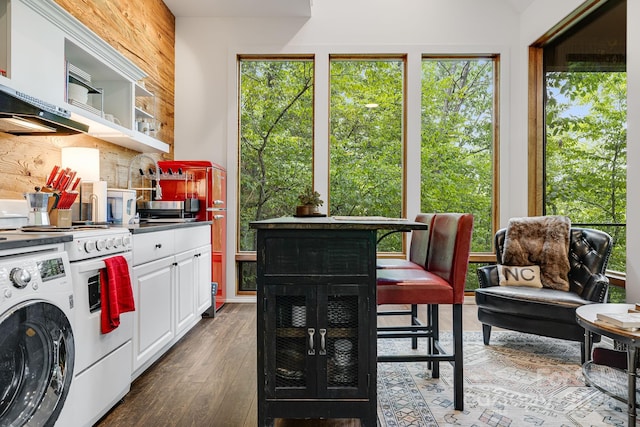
{"points": [[311, 351], [323, 347], [158, 245]]}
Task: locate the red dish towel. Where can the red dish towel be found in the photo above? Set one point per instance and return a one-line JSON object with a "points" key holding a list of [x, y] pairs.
{"points": [[116, 294]]}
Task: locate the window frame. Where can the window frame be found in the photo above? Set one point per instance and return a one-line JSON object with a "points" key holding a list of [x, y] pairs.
{"points": [[536, 118]]}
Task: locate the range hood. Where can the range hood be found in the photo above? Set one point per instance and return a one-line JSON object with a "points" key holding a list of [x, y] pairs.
{"points": [[21, 114]]}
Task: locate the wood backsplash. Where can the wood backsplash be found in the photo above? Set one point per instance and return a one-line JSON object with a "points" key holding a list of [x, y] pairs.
{"points": [[144, 32]]}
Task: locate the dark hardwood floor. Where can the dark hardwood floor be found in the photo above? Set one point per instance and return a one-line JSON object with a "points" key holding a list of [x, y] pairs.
{"points": [[209, 377]]}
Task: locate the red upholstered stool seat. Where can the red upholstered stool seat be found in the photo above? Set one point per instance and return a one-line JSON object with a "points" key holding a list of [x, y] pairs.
{"points": [[412, 286]]}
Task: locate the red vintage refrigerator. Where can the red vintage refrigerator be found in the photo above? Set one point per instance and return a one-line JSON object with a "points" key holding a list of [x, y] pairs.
{"points": [[206, 182]]}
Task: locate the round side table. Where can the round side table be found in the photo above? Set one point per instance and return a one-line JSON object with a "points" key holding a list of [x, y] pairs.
{"points": [[587, 317]]}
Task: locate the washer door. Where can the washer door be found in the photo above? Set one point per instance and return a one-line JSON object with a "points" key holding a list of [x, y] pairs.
{"points": [[36, 363]]}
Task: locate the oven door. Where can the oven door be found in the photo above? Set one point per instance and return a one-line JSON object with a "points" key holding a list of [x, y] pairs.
{"points": [[36, 363], [92, 344]]}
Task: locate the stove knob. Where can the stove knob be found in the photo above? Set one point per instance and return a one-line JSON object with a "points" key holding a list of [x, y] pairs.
{"points": [[90, 246], [101, 244], [117, 242], [20, 277], [109, 244], [126, 241]]}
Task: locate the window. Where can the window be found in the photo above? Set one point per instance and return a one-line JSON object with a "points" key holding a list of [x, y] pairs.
{"points": [[578, 126], [276, 141], [585, 108], [366, 170], [366, 139], [458, 141]]}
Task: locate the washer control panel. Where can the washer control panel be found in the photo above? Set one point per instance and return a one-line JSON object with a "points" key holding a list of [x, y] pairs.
{"points": [[31, 274]]}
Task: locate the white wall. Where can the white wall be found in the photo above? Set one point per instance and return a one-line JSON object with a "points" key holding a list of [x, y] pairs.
{"points": [[206, 48], [633, 152]]}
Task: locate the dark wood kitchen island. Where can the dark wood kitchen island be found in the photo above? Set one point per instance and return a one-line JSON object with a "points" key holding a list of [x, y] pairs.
{"points": [[316, 320]]}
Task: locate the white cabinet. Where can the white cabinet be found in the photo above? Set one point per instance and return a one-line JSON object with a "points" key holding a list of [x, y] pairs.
{"points": [[185, 290], [203, 278], [43, 40], [151, 246], [172, 288], [35, 61], [153, 321], [195, 243]]}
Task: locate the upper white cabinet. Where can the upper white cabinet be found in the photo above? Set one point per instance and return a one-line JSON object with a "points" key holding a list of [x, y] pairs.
{"points": [[51, 55]]}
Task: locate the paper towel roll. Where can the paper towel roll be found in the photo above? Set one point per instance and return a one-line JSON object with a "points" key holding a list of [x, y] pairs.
{"points": [[94, 201], [100, 190]]}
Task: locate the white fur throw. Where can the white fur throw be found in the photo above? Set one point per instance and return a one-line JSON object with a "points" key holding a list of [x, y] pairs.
{"points": [[543, 241]]}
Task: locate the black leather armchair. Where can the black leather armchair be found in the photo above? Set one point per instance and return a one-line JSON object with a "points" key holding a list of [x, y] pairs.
{"points": [[544, 311]]}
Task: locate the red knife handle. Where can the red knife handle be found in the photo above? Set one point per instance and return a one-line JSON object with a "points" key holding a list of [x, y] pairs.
{"points": [[64, 198], [56, 183], [52, 175], [75, 184], [68, 199], [71, 178], [63, 182]]}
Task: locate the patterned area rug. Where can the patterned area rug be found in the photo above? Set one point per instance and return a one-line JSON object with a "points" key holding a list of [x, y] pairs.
{"points": [[518, 380]]}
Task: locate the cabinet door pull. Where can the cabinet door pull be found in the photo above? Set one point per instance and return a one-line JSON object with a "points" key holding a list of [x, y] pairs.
{"points": [[323, 346], [158, 245], [311, 351]]}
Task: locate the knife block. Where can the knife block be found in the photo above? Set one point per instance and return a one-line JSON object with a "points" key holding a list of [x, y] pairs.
{"points": [[60, 217]]}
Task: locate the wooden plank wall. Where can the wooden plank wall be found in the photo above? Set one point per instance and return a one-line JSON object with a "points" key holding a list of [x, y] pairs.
{"points": [[144, 32]]}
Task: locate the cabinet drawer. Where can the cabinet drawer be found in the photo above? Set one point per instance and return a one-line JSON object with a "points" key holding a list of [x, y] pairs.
{"points": [[349, 256], [192, 237], [151, 246]]}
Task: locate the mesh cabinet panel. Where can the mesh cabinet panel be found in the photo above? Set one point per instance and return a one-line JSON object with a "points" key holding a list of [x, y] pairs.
{"points": [[291, 322], [342, 342]]}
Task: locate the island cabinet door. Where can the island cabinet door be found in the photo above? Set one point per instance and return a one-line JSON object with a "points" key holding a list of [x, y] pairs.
{"points": [[314, 345], [317, 349], [345, 368], [289, 341]]}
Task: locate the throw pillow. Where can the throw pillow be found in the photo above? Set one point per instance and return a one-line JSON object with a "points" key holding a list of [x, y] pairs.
{"points": [[542, 241], [511, 275]]}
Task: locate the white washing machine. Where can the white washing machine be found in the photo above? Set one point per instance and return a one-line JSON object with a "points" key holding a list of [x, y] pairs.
{"points": [[37, 349]]}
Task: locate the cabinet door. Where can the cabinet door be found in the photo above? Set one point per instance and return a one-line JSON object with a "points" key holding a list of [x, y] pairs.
{"points": [[290, 351], [186, 287], [321, 345], [342, 313], [153, 320], [203, 278]]}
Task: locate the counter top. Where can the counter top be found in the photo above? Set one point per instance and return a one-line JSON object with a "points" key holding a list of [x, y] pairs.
{"points": [[12, 240], [339, 223], [150, 227], [16, 240]]}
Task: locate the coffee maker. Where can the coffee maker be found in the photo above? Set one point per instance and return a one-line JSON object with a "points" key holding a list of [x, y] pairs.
{"points": [[38, 207]]}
